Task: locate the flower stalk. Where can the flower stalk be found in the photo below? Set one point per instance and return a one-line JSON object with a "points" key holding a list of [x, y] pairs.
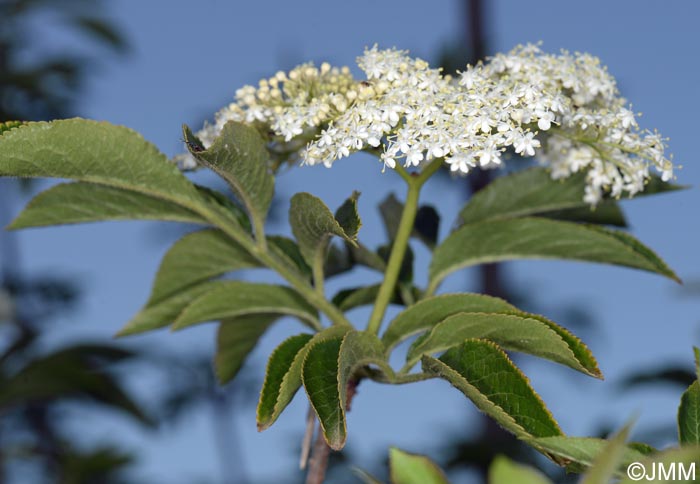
{"points": [[403, 234]]}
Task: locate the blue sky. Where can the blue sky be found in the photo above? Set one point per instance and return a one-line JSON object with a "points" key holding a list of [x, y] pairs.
{"points": [[187, 60]]}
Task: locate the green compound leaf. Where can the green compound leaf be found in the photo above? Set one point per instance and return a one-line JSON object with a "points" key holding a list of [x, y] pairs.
{"points": [[196, 257], [580, 450], [313, 224], [485, 374], [533, 192], [405, 468], [505, 471], [238, 298], [235, 339], [689, 416], [166, 311], [95, 152], [538, 238], [283, 375], [320, 377], [430, 311], [70, 203], [516, 332], [239, 155]]}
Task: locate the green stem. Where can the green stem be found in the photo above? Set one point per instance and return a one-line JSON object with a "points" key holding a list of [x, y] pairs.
{"points": [[403, 234]]}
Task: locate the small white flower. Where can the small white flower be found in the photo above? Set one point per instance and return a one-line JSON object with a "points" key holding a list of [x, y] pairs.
{"points": [[526, 144]]}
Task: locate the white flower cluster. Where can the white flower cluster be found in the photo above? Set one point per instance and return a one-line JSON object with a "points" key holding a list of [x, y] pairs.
{"points": [[563, 108]]}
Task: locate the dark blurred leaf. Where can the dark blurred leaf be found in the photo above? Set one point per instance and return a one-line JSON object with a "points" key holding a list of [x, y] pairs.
{"points": [[104, 465], [425, 227], [669, 375], [353, 297], [103, 31], [73, 372]]}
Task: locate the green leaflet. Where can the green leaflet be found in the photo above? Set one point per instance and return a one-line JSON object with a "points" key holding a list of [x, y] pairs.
{"points": [[516, 332], [235, 339], [240, 157], [430, 311], [283, 374], [348, 216], [606, 213], [485, 374], [689, 416], [69, 203], [506, 471], [166, 311], [328, 371], [313, 224], [320, 378], [237, 298], [539, 238], [95, 152], [533, 192], [274, 389], [196, 257], [405, 468]]}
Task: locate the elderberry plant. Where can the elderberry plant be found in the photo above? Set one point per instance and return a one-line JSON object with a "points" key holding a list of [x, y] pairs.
{"points": [[564, 110]]}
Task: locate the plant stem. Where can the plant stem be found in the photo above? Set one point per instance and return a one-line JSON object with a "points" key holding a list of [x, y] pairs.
{"points": [[403, 234], [319, 460]]}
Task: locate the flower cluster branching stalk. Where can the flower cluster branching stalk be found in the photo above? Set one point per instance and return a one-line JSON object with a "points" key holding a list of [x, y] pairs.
{"points": [[403, 234]]}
